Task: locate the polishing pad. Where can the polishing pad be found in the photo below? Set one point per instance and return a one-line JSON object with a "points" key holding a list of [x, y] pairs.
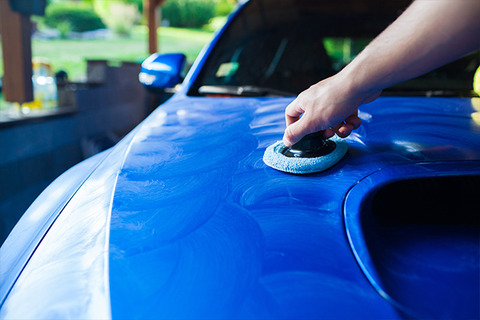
{"points": [[283, 158]]}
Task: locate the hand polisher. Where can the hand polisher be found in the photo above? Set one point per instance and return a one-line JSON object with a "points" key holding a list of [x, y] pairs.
{"points": [[313, 153]]}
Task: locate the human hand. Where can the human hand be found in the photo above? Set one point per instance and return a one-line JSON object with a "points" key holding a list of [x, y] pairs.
{"points": [[330, 105]]}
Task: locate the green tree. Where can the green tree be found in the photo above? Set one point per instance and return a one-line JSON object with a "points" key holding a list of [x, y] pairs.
{"points": [[78, 15], [188, 13]]}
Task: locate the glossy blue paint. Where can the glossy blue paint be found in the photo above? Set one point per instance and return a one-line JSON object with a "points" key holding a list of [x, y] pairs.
{"points": [[35, 223], [204, 229], [222, 235], [182, 219], [201, 227], [160, 71], [427, 270]]}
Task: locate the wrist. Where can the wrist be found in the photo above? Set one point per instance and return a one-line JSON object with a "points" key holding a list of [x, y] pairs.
{"points": [[358, 82]]}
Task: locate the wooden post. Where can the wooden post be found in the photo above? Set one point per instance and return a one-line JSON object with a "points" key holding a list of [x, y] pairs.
{"points": [[153, 17], [17, 54]]}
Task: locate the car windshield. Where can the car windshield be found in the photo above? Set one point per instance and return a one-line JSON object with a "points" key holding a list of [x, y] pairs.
{"points": [[280, 50]]}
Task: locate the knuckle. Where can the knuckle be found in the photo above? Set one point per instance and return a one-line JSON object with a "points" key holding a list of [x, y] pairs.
{"points": [[289, 133]]}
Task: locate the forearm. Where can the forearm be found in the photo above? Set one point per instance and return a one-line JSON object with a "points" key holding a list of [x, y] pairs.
{"points": [[427, 35]]}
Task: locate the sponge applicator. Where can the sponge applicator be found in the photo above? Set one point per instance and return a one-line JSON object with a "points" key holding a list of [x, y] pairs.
{"points": [[309, 155]]}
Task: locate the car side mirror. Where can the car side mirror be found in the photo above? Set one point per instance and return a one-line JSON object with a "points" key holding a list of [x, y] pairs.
{"points": [[162, 71]]}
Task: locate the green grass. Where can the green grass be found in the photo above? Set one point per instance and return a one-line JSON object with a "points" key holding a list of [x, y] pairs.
{"points": [[187, 41], [71, 54]]}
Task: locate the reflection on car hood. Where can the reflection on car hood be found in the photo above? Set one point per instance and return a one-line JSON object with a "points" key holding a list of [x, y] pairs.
{"points": [[200, 227], [194, 191]]}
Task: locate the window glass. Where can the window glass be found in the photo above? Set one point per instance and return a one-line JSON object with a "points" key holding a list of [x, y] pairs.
{"points": [[290, 47]]}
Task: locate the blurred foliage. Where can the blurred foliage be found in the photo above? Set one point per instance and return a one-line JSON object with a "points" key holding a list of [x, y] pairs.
{"points": [[103, 7], [137, 3], [63, 28], [224, 7], [121, 17], [188, 13], [215, 23], [80, 16], [70, 55]]}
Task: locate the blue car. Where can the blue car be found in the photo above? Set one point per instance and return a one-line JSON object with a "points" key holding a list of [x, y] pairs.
{"points": [[182, 219]]}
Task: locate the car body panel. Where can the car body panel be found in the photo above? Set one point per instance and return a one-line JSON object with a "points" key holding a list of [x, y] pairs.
{"points": [[182, 219], [162, 71], [201, 227], [196, 165], [207, 199], [427, 268], [206, 203], [37, 220]]}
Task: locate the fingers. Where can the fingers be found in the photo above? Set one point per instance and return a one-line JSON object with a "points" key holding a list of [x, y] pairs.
{"points": [[293, 112], [319, 113], [301, 127], [344, 130], [294, 132], [328, 133], [354, 120], [351, 123], [296, 127]]}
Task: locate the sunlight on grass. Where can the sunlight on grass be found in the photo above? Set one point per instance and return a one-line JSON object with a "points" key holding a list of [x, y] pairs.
{"points": [[70, 55]]}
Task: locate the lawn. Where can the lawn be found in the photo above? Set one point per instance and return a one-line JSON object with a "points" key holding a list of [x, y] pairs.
{"points": [[71, 54]]}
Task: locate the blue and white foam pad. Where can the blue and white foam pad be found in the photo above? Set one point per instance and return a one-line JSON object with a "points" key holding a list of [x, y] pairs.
{"points": [[274, 158]]}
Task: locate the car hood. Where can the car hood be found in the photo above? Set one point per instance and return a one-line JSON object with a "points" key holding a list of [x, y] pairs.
{"points": [[195, 205], [197, 226]]}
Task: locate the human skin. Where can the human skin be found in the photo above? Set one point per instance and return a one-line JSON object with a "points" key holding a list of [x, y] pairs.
{"points": [[430, 33]]}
